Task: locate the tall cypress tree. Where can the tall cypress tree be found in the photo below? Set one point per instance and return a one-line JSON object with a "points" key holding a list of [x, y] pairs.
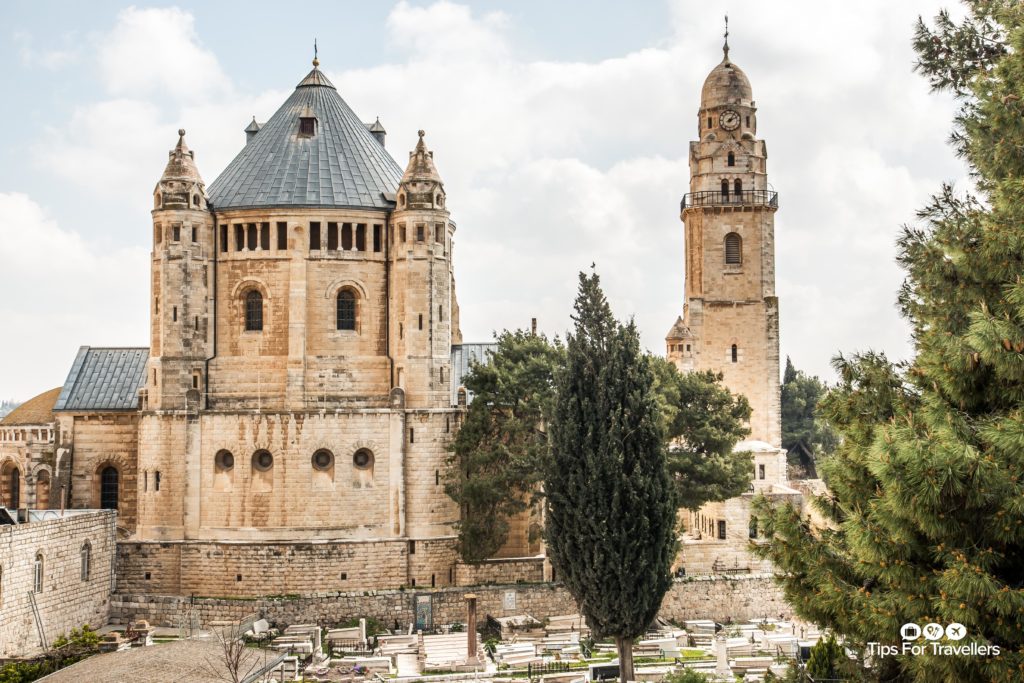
{"points": [[609, 509], [927, 499]]}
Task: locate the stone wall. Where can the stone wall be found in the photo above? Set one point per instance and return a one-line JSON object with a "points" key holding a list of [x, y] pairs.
{"points": [[750, 596], [507, 571], [67, 599]]}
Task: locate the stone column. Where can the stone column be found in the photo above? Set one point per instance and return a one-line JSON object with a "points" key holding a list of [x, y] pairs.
{"points": [[470, 627], [722, 655]]}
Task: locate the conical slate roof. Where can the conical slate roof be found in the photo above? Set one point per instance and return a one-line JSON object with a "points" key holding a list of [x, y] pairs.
{"points": [[340, 165]]}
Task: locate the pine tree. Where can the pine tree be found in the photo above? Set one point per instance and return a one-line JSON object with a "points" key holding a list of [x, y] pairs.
{"points": [[497, 457], [927, 497], [610, 515]]}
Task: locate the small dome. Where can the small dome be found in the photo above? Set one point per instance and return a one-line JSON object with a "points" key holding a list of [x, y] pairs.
{"points": [[726, 84]]}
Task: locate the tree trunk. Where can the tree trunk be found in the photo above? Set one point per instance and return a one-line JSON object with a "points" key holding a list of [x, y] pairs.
{"points": [[625, 647]]}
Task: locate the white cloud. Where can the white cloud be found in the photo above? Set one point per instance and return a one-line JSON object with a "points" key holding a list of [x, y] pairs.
{"points": [[156, 51], [551, 165], [58, 291]]}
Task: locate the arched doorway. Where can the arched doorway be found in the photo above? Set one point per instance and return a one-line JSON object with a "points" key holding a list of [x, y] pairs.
{"points": [[108, 488]]}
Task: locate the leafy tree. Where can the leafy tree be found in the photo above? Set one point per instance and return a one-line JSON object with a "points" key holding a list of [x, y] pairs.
{"points": [[927, 502], [805, 436], [703, 421], [498, 455], [610, 514]]}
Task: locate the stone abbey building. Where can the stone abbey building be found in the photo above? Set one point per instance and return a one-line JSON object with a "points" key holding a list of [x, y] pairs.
{"points": [[286, 430]]}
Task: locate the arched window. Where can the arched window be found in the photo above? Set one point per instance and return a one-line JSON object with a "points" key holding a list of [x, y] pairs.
{"points": [[737, 187], [725, 190], [14, 488], [253, 311], [108, 488], [86, 556], [732, 159], [735, 354], [37, 574], [733, 250], [346, 310]]}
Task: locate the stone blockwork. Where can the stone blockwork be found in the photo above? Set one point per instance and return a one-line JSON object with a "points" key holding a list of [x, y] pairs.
{"points": [[249, 570], [511, 570], [722, 598], [67, 596]]}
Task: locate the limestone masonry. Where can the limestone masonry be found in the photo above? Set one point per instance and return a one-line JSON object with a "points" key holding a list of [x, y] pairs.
{"points": [[286, 430]]}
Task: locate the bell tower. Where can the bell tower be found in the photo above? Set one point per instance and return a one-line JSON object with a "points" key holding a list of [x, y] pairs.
{"points": [[180, 299], [730, 321]]}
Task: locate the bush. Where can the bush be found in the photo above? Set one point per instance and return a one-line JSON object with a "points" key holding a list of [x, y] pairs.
{"points": [[686, 676]]}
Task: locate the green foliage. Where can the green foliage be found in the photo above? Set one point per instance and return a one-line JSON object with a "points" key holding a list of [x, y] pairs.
{"points": [[805, 435], [686, 676], [927, 486], [703, 421], [66, 650], [826, 656], [374, 626], [610, 514], [498, 454]]}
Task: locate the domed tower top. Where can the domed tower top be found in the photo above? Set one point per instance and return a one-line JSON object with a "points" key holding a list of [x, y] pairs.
{"points": [[726, 84], [180, 186]]}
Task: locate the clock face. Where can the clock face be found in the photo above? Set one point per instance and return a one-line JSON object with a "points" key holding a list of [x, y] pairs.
{"points": [[729, 120]]}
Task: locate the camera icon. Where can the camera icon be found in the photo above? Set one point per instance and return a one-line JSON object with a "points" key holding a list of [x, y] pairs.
{"points": [[910, 631]]}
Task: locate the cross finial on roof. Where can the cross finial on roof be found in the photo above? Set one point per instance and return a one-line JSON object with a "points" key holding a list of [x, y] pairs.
{"points": [[725, 48], [316, 58]]}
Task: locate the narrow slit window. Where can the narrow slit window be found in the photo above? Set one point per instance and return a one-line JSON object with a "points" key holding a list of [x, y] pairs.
{"points": [[439, 233], [223, 238], [174, 313], [176, 233], [737, 187], [376, 238], [282, 236], [421, 321], [195, 234], [725, 189], [734, 353], [332, 236], [709, 122], [401, 231], [239, 237], [361, 237], [265, 236], [346, 236], [731, 159], [412, 435], [314, 236], [251, 232], [156, 480], [419, 233]]}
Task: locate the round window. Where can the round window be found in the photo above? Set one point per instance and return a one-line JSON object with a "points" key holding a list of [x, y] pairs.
{"points": [[323, 459], [224, 460], [262, 460], [363, 459]]}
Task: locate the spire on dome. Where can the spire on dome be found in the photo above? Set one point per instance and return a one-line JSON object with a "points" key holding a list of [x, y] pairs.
{"points": [[421, 164], [180, 181], [725, 47]]}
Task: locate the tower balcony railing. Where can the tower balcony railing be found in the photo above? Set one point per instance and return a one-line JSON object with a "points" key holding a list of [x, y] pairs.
{"points": [[767, 198]]}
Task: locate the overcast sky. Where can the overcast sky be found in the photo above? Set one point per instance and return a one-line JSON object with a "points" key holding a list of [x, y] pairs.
{"points": [[561, 130]]}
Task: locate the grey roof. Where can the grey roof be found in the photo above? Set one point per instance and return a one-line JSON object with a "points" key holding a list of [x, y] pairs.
{"points": [[341, 165], [104, 379], [462, 356]]}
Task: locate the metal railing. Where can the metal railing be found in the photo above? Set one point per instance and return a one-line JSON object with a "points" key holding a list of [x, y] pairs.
{"points": [[767, 198]]}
